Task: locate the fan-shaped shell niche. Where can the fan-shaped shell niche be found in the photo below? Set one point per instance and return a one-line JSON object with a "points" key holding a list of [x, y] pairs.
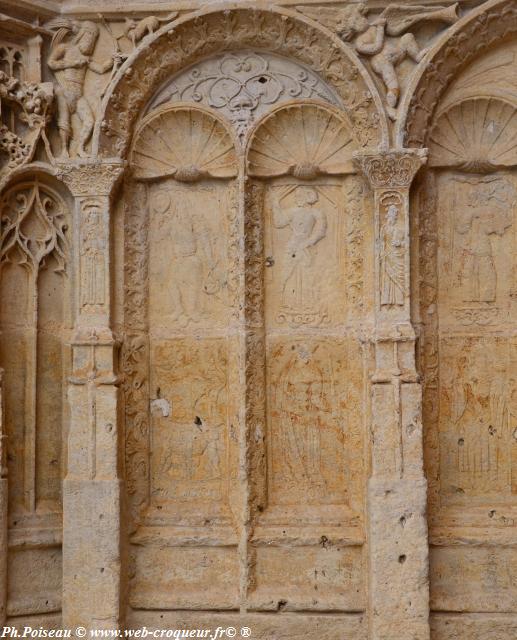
{"points": [[303, 140], [183, 143], [479, 134]]}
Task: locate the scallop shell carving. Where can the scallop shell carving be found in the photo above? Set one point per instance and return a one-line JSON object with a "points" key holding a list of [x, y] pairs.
{"points": [[478, 135], [184, 143], [301, 140]]}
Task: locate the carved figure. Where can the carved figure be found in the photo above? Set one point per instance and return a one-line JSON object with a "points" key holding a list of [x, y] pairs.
{"points": [[195, 271], [371, 38], [483, 414], [488, 212], [304, 409], [308, 226], [136, 30], [92, 258], [392, 258], [74, 59]]}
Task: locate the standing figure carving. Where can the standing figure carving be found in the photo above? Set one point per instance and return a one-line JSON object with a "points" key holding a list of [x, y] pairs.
{"points": [[392, 258], [308, 226], [305, 410], [488, 212], [73, 59], [195, 269]]}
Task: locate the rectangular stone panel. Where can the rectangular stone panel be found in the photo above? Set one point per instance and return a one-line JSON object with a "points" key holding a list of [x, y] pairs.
{"points": [[321, 577], [168, 577], [474, 579], [35, 581]]}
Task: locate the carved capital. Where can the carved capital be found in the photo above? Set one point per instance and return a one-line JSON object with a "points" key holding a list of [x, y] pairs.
{"points": [[391, 169], [90, 179]]}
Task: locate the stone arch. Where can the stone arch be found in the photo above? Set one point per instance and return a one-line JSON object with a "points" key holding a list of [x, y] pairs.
{"points": [[189, 39], [481, 29]]}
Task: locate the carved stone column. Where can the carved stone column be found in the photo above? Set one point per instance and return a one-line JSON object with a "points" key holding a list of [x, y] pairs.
{"points": [[397, 488], [92, 485]]}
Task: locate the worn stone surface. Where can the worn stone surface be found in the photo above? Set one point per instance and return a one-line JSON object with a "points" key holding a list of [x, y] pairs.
{"points": [[257, 317]]}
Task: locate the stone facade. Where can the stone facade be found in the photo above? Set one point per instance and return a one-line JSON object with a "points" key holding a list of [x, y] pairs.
{"points": [[258, 339]]}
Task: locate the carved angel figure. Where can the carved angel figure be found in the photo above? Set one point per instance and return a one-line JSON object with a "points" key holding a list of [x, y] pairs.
{"points": [[384, 40], [73, 58]]}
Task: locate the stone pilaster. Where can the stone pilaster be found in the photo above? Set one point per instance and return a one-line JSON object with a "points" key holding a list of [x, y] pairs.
{"points": [[92, 492], [397, 489]]}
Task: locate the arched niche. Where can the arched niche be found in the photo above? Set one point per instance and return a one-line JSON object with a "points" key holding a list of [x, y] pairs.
{"points": [[478, 33], [188, 40], [180, 356], [464, 284], [309, 211], [37, 312]]}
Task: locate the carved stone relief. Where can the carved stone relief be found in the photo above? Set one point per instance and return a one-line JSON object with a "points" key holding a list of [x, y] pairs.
{"points": [[384, 40], [244, 85], [36, 277], [222, 376]]}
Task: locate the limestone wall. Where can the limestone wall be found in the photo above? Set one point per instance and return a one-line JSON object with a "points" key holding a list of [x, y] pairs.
{"points": [[257, 318]]}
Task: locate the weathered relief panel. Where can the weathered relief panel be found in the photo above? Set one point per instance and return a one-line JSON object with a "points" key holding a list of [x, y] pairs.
{"points": [[36, 277], [185, 415], [313, 216], [467, 224], [258, 366]]}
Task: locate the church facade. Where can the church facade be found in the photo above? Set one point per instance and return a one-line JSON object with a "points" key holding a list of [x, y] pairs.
{"points": [[258, 318]]}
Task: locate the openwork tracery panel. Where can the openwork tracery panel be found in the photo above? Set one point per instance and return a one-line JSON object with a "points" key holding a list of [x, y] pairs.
{"points": [[35, 321]]}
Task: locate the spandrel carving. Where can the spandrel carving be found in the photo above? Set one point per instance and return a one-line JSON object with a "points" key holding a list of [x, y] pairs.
{"points": [[384, 40], [25, 112]]}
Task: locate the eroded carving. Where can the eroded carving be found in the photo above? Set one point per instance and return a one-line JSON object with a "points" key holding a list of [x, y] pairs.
{"points": [[383, 40], [307, 408]]}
